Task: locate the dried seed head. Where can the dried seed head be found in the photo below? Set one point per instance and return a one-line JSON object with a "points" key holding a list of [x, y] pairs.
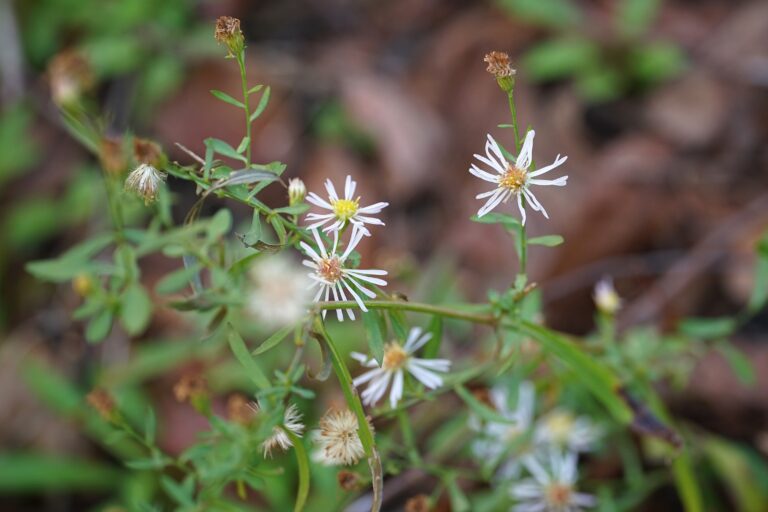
{"points": [[240, 409], [148, 152], [297, 191], [418, 503], [189, 387], [499, 64], [111, 156], [144, 181], [102, 402], [337, 440], [70, 76], [348, 480], [228, 32]]}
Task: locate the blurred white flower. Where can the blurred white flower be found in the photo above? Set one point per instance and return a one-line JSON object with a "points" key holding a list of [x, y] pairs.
{"points": [[343, 210], [497, 438], [278, 292], [279, 439], [606, 298], [552, 489], [397, 360], [144, 181], [513, 179], [332, 278], [564, 430], [338, 442]]}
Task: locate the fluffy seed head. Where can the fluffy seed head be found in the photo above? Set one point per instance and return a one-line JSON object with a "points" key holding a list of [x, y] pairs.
{"points": [[338, 441], [279, 439], [144, 181]]}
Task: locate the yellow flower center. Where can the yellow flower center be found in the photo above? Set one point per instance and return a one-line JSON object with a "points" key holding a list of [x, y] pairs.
{"points": [[559, 425], [558, 495], [345, 209], [329, 269], [394, 356], [513, 179]]}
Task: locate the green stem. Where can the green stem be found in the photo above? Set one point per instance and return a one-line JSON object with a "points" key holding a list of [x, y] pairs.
{"points": [[246, 106], [416, 307], [513, 111], [408, 437], [353, 401], [115, 209], [523, 234]]}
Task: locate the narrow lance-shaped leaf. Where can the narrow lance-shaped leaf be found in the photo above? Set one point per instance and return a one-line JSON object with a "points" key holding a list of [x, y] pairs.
{"points": [[226, 98]]}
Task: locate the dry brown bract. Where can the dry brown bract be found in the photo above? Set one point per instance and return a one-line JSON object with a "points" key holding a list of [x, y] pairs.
{"points": [[499, 64]]}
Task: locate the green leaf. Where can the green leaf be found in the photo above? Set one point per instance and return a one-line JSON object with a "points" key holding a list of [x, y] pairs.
{"points": [[262, 104], [135, 309], [176, 280], [432, 347], [560, 58], [243, 144], [296, 209], [547, 241], [593, 374], [224, 149], [277, 225], [548, 13], [459, 500], [99, 326], [759, 295], [708, 328], [656, 62], [372, 321], [634, 16], [180, 494], [35, 473], [220, 224], [731, 463], [273, 340], [740, 364], [226, 98], [242, 354], [685, 481], [255, 88], [150, 426], [302, 461]]}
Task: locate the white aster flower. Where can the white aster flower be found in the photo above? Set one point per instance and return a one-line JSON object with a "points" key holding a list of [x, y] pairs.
{"points": [[397, 360], [278, 293], [513, 179], [338, 442], [606, 298], [343, 210], [496, 438], [144, 181], [279, 439], [552, 489], [332, 278], [563, 429]]}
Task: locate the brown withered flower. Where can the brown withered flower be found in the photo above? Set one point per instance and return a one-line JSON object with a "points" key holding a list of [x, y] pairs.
{"points": [[102, 402], [148, 152], [228, 33], [111, 156], [418, 503], [499, 64], [189, 387], [348, 480], [240, 409], [70, 76]]}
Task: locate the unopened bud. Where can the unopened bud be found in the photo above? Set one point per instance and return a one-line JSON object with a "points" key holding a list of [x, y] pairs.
{"points": [[228, 33], [144, 181], [500, 66], [297, 191], [606, 298], [103, 403]]}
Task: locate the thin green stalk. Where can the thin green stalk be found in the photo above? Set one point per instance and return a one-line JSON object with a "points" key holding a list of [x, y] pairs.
{"points": [[523, 234], [115, 210], [416, 307], [246, 106], [353, 401], [408, 437], [513, 111]]}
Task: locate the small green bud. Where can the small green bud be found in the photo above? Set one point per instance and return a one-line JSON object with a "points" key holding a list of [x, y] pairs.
{"points": [[297, 191]]}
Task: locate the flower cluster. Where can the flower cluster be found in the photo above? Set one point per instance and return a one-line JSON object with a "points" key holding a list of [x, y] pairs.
{"points": [[547, 448]]}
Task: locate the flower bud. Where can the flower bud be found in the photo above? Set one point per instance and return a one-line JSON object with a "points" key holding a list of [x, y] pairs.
{"points": [[606, 298], [228, 32], [144, 181], [297, 191], [82, 284], [111, 156], [500, 66]]}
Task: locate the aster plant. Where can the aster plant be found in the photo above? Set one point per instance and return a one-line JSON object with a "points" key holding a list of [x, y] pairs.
{"points": [[484, 402]]}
